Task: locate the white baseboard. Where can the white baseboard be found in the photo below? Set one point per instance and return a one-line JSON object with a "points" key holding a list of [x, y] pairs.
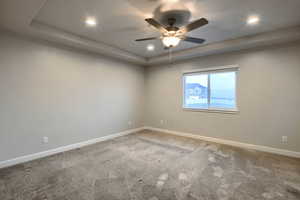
{"points": [[230, 142], [22, 159]]}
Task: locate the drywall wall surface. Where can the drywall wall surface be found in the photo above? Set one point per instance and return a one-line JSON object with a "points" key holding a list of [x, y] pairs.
{"points": [[268, 98], [67, 96]]}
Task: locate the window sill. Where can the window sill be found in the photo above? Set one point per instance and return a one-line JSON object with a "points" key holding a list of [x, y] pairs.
{"points": [[212, 110]]}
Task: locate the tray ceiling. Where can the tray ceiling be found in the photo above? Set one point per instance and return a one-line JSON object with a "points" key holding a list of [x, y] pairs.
{"points": [[120, 22]]}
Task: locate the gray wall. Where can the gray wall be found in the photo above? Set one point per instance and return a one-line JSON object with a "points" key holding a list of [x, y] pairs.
{"points": [[268, 98], [65, 95], [73, 96]]}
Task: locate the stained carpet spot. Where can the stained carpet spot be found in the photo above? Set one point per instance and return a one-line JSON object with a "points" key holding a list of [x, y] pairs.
{"points": [[212, 148], [163, 177], [218, 171], [182, 177], [153, 198], [211, 158], [184, 181], [160, 184], [267, 195], [220, 153]]}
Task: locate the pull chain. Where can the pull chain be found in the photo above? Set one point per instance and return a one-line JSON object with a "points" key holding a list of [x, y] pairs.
{"points": [[170, 54]]}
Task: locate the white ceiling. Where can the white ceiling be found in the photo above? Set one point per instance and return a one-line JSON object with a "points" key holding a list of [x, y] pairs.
{"points": [[120, 22]]}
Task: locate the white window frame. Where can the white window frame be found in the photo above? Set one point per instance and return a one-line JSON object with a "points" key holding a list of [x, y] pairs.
{"points": [[230, 68]]}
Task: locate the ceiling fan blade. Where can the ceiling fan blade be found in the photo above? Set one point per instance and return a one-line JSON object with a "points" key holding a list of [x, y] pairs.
{"points": [[144, 39], [195, 24], [194, 40], [156, 24]]}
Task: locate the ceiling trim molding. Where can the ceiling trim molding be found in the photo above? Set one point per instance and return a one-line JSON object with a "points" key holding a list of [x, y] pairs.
{"points": [[37, 11], [53, 34], [258, 40], [263, 39]]}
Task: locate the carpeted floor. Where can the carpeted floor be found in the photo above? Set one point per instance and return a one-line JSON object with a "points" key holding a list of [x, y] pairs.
{"points": [[154, 166]]}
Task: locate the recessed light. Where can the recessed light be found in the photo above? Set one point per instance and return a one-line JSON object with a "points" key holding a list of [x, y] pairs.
{"points": [[252, 20], [90, 21], [150, 47]]}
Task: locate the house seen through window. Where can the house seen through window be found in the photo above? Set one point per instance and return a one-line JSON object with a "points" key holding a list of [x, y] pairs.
{"points": [[214, 90]]}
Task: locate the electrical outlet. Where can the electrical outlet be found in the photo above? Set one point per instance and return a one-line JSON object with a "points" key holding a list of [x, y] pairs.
{"points": [[45, 140], [129, 123], [284, 139]]}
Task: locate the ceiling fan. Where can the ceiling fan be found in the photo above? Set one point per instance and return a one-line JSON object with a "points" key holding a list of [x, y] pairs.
{"points": [[172, 35]]}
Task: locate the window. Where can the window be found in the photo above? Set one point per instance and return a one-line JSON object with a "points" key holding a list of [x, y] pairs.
{"points": [[210, 89]]}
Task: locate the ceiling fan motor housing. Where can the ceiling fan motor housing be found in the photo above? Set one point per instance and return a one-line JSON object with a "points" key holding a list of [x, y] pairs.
{"points": [[172, 28], [181, 17]]}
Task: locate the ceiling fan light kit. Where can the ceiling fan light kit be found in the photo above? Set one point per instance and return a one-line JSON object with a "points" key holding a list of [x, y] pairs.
{"points": [[172, 35], [170, 41]]}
